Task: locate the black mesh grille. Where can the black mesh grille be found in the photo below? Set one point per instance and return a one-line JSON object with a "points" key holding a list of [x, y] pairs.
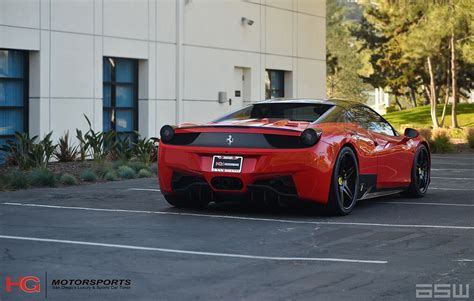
{"points": [[281, 184], [227, 183], [182, 181]]}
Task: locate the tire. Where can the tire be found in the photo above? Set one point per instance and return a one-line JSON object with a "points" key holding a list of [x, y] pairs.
{"points": [[344, 183], [420, 173], [184, 202]]}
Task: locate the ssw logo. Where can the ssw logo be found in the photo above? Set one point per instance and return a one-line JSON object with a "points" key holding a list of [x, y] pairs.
{"points": [[28, 284], [434, 291]]}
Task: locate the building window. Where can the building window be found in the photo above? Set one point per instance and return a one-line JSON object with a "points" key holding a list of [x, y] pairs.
{"points": [[120, 112], [274, 84], [13, 93]]}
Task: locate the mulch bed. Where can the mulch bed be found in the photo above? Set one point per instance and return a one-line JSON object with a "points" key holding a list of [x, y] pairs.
{"points": [[75, 168]]}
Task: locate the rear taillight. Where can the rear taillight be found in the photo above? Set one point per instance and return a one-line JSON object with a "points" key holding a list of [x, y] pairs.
{"points": [[167, 133], [310, 137]]}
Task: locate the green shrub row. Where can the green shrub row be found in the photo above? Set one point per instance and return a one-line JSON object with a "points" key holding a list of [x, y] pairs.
{"points": [[440, 139], [43, 177], [30, 152], [16, 179], [470, 137]]}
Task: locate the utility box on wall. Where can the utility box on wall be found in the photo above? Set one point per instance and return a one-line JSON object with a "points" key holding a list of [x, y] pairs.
{"points": [[222, 97]]}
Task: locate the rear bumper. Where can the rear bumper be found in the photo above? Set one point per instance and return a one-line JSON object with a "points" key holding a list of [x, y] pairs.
{"points": [[300, 173], [197, 186], [203, 190]]}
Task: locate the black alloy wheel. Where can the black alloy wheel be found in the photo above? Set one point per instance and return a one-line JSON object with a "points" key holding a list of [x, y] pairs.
{"points": [[420, 173], [345, 183]]}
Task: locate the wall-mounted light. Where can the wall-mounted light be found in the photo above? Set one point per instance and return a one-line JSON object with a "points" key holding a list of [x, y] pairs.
{"points": [[247, 21]]}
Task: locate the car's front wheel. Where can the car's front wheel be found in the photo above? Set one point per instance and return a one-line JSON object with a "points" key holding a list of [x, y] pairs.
{"points": [[344, 183], [420, 173]]}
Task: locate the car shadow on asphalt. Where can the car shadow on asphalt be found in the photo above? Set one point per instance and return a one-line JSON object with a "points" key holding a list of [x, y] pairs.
{"points": [[296, 209]]}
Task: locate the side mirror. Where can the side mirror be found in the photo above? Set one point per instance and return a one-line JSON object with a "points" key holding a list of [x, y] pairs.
{"points": [[411, 133]]}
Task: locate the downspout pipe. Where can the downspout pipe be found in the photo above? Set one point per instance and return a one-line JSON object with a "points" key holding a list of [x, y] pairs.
{"points": [[179, 60]]}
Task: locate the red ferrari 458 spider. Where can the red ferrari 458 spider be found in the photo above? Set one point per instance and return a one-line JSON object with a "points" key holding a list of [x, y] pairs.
{"points": [[332, 152]]}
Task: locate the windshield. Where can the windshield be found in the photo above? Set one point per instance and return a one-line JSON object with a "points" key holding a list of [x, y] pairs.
{"points": [[309, 112]]}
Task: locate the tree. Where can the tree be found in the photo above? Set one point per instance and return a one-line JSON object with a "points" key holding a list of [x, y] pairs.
{"points": [[378, 46], [408, 44], [342, 62], [461, 41]]}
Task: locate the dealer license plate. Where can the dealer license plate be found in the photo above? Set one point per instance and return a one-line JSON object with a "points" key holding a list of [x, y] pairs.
{"points": [[227, 164]]}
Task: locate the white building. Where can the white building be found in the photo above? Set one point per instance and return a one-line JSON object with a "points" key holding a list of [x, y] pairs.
{"points": [[378, 100], [140, 64]]}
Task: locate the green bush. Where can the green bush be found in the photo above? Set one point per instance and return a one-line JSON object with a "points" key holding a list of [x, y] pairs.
{"points": [[456, 133], [470, 137], [146, 150], [83, 146], [153, 169], [64, 151], [425, 132], [28, 152], [99, 144], [123, 149], [144, 173], [126, 172], [41, 177], [118, 163], [136, 165], [68, 179], [101, 168], [3, 182], [88, 175], [13, 179], [110, 176], [440, 142]]}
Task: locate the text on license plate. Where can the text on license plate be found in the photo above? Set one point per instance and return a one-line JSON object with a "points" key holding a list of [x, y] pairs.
{"points": [[227, 164]]}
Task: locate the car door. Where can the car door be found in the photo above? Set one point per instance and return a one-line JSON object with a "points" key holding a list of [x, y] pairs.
{"points": [[394, 154], [366, 148]]}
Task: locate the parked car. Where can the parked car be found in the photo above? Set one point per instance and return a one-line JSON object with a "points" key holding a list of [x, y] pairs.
{"points": [[332, 152]]}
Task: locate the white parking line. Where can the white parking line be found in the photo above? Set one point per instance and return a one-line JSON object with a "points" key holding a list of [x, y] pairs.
{"points": [[187, 252], [143, 189], [450, 178], [453, 189], [428, 204], [451, 163], [249, 218], [464, 260], [438, 159], [451, 169]]}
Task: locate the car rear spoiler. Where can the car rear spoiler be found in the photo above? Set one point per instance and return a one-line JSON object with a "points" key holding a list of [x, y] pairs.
{"points": [[218, 126]]}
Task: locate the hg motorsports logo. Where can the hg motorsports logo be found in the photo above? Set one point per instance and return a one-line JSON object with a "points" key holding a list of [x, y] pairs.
{"points": [[28, 284], [32, 284]]}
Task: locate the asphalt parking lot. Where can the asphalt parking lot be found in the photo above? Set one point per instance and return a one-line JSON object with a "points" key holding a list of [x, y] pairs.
{"points": [[126, 230]]}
